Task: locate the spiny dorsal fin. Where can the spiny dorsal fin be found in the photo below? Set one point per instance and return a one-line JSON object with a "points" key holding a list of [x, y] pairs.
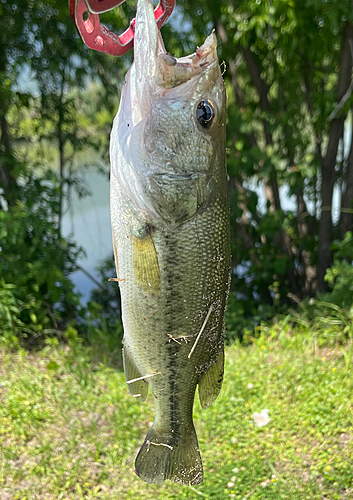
{"points": [[211, 382], [138, 389], [145, 261]]}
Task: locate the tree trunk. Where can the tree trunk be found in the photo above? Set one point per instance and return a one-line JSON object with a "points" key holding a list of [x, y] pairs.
{"points": [[271, 183], [346, 218], [61, 144], [7, 160], [328, 174], [303, 230]]}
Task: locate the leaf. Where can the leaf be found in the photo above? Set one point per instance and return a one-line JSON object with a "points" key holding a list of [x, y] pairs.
{"points": [[52, 365]]}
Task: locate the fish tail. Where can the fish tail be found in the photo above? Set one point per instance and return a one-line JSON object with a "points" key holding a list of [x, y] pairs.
{"points": [[167, 456]]}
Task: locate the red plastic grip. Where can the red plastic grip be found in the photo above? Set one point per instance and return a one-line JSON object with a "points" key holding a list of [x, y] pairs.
{"points": [[98, 37], [99, 6]]}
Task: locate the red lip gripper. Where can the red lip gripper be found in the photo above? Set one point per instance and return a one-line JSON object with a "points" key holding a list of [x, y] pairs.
{"points": [[98, 37]]}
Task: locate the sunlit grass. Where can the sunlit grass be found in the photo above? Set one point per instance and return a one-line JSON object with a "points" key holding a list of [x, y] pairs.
{"points": [[70, 430]]}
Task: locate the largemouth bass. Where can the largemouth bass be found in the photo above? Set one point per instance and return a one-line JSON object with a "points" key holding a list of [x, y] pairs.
{"points": [[170, 220]]}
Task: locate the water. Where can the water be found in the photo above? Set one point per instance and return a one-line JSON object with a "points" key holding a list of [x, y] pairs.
{"points": [[88, 223]]}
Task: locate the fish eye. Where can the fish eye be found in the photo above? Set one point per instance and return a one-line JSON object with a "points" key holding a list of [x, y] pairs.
{"points": [[205, 114]]}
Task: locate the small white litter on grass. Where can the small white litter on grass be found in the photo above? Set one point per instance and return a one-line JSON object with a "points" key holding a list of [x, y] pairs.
{"points": [[262, 418]]}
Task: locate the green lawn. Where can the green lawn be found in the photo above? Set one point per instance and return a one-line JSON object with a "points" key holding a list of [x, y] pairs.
{"points": [[70, 430]]}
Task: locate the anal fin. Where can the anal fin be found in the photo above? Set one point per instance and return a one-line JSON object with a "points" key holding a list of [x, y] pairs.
{"points": [[211, 382], [138, 389]]}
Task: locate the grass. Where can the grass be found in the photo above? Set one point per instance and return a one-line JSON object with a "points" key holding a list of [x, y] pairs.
{"points": [[70, 430]]}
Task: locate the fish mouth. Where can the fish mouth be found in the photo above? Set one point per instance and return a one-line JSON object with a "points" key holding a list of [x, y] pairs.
{"points": [[155, 68], [172, 72]]}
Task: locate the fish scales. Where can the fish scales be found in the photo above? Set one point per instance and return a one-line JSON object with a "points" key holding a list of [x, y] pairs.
{"points": [[170, 220]]}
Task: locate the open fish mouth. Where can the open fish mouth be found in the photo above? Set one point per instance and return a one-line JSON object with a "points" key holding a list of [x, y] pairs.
{"points": [[171, 72], [152, 59]]}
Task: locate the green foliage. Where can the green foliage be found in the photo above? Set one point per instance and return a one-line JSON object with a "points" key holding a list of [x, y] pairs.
{"points": [[36, 263], [283, 61], [37, 297], [105, 342], [340, 275], [320, 323], [107, 296], [102, 326], [243, 317], [10, 308], [40, 39]]}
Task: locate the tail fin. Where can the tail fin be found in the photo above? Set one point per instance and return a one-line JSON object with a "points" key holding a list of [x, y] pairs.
{"points": [[168, 456]]}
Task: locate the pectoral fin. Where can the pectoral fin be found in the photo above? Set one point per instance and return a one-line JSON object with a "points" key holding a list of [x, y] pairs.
{"points": [[145, 262], [138, 389], [211, 382]]}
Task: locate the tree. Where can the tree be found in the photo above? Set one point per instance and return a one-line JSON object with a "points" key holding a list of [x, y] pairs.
{"points": [[289, 71], [290, 139], [39, 39]]}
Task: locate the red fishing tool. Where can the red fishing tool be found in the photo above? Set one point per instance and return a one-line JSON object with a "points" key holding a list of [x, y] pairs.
{"points": [[85, 14]]}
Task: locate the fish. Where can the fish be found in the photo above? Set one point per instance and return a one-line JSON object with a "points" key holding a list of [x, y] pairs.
{"points": [[170, 222]]}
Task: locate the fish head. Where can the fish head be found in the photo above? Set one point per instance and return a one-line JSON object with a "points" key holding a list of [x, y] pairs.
{"points": [[169, 135]]}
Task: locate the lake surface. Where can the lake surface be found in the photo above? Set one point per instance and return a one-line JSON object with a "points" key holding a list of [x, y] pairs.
{"points": [[88, 223]]}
